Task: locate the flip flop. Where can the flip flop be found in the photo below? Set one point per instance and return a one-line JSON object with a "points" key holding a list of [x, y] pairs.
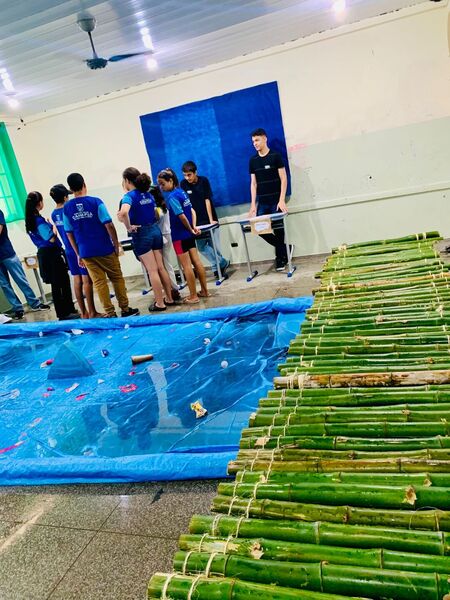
{"points": [[188, 301], [156, 308], [202, 295]]}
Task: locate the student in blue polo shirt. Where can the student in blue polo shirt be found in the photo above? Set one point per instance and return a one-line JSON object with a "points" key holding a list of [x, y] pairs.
{"points": [[82, 283], [94, 240], [10, 265], [183, 230], [138, 213], [52, 265]]}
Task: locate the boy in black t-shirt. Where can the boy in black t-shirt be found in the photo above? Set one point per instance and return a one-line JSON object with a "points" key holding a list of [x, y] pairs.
{"points": [[200, 194], [268, 186]]}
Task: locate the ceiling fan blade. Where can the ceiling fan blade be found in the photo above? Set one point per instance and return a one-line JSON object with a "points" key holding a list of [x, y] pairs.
{"points": [[119, 57]]}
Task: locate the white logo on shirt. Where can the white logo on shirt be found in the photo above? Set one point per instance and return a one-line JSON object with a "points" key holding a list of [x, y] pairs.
{"points": [[189, 191], [267, 166]]}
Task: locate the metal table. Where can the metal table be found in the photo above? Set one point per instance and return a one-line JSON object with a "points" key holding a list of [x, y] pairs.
{"points": [[274, 218], [207, 231]]}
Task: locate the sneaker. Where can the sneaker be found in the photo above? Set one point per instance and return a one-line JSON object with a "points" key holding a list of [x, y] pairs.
{"points": [[40, 306], [280, 264], [131, 312], [17, 315]]}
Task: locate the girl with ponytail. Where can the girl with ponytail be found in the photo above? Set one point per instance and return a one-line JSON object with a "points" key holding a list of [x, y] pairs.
{"points": [[52, 264], [138, 213]]}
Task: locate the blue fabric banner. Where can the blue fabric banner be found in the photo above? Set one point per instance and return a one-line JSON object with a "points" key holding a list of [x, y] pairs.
{"points": [[215, 134]]}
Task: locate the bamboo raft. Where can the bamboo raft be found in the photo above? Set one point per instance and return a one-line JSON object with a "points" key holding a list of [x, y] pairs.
{"points": [[342, 481]]}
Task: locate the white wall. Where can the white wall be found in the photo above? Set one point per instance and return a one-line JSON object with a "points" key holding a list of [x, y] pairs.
{"points": [[366, 111]]}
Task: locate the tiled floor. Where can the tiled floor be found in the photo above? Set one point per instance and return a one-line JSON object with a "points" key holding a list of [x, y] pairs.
{"points": [[103, 542]]}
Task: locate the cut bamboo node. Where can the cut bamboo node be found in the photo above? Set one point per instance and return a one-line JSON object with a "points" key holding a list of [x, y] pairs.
{"points": [[256, 551], [410, 496]]}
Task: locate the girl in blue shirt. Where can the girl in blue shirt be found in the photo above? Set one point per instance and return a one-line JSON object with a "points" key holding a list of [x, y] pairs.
{"points": [[182, 224], [52, 264], [138, 213]]}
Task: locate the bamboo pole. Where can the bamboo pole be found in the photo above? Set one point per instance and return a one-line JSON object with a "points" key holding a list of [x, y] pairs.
{"points": [[323, 533], [347, 579]]}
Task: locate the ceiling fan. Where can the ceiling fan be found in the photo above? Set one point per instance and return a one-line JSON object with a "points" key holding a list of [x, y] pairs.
{"points": [[87, 23]]}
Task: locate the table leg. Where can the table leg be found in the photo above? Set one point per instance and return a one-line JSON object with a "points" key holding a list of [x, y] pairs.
{"points": [[40, 286], [220, 277], [291, 267], [251, 274], [148, 285], [183, 280]]}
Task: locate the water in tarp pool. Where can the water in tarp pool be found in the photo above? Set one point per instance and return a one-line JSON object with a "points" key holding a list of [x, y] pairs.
{"points": [[120, 412]]}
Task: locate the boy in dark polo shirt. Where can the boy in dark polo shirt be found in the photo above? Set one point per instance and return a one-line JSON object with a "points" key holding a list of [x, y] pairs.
{"points": [[94, 239], [268, 187], [199, 191]]}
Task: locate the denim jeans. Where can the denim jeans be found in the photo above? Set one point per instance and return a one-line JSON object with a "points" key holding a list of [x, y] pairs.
{"points": [[12, 266], [206, 248]]}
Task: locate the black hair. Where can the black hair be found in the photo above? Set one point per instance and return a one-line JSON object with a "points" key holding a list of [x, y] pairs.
{"points": [[75, 181], [159, 198], [259, 131], [141, 181], [189, 167], [31, 212], [169, 174]]}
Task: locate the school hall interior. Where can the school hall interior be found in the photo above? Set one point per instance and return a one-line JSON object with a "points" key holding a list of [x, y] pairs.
{"points": [[224, 288]]}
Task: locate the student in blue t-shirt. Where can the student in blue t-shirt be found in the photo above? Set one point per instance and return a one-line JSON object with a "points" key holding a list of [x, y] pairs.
{"points": [[138, 213], [52, 266], [183, 230], [81, 280], [10, 266], [94, 239]]}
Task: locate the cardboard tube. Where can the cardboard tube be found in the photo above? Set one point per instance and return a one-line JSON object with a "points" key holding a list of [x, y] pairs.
{"points": [[140, 358]]}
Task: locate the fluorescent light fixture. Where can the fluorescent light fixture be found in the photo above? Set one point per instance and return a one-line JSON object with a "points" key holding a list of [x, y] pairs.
{"points": [[152, 64], [144, 30], [339, 5], [13, 103], [8, 85], [147, 41]]}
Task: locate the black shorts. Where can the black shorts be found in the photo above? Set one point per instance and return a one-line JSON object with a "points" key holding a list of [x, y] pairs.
{"points": [[182, 246]]}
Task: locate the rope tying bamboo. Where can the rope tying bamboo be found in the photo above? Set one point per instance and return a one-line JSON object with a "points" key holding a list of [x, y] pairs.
{"points": [[238, 526], [186, 558], [214, 524], [193, 586], [209, 563], [164, 595]]}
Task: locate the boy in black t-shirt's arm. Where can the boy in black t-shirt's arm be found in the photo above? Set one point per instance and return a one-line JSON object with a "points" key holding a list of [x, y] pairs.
{"points": [[268, 186], [200, 194]]}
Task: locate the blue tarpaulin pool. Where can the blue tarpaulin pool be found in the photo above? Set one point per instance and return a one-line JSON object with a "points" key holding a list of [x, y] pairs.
{"points": [[74, 409]]}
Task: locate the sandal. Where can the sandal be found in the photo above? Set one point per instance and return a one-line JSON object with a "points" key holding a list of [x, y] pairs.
{"points": [[155, 308], [189, 301], [167, 303], [202, 295]]}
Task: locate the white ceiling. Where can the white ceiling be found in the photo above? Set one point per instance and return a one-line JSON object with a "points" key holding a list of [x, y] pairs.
{"points": [[43, 49]]}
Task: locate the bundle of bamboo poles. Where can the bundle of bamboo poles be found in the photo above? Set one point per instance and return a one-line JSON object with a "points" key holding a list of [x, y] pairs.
{"points": [[342, 482]]}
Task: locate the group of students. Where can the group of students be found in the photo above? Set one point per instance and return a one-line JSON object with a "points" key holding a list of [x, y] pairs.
{"points": [[155, 223], [81, 238]]}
